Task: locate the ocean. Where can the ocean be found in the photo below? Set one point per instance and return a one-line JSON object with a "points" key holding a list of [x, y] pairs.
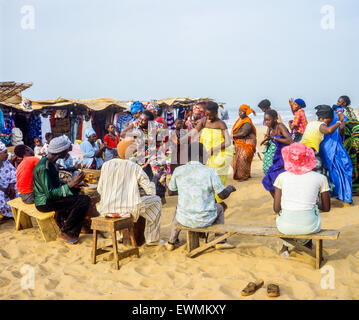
{"points": [[285, 113]]}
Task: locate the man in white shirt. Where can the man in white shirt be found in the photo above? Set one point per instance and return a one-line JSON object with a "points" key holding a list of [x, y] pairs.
{"points": [[120, 196]]}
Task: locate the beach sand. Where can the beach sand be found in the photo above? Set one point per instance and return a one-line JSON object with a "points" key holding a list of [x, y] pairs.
{"points": [[66, 272]]}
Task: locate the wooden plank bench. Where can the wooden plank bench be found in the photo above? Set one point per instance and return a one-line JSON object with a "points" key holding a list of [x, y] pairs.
{"points": [[227, 230], [22, 213]]}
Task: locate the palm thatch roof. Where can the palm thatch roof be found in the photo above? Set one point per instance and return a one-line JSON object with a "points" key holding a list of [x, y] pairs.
{"points": [[10, 92]]}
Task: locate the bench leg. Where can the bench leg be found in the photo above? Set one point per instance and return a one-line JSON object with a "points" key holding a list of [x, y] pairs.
{"points": [[133, 241], [115, 250], [23, 221], [94, 246], [208, 245], [49, 229], [319, 254], [192, 240]]}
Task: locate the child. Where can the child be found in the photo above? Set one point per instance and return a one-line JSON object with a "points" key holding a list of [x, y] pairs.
{"points": [[48, 136], [111, 141], [38, 148], [24, 172]]}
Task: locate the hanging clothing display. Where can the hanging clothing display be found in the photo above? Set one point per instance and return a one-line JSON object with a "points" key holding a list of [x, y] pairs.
{"points": [[34, 126], [45, 127]]}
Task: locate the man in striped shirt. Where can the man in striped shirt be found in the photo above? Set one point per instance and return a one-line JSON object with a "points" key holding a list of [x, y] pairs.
{"points": [[120, 196]]}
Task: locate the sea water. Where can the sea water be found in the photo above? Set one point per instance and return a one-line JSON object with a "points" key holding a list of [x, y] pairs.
{"points": [[286, 114]]}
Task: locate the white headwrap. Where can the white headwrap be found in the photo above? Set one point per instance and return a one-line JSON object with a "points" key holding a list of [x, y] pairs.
{"points": [[59, 144], [2, 147]]}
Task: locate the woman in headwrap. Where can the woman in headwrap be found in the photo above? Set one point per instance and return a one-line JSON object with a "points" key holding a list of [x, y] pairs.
{"points": [[300, 122], [332, 152], [195, 116], [351, 138], [156, 110], [8, 189], [92, 152], [245, 141], [151, 150], [136, 109]]}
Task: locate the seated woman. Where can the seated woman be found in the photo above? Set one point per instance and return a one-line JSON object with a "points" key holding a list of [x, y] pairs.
{"points": [[92, 152], [278, 133], [298, 211], [8, 189], [24, 172], [245, 141]]}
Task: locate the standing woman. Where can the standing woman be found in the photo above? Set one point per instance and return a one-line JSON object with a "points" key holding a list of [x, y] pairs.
{"points": [[351, 139], [111, 141], [217, 141], [8, 189], [92, 152], [300, 122], [333, 154], [245, 141], [278, 133]]}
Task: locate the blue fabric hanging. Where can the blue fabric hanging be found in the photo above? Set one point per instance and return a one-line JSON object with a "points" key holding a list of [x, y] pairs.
{"points": [[2, 122], [336, 159]]}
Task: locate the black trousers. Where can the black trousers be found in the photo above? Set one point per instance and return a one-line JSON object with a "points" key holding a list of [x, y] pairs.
{"points": [[70, 213]]}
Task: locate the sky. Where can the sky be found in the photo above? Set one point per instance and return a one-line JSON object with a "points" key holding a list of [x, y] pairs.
{"points": [[233, 51]]}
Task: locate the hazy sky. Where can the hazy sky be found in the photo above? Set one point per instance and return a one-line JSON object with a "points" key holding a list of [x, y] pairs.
{"points": [[234, 51]]}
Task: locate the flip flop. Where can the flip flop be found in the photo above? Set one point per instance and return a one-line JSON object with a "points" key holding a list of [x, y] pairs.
{"points": [[72, 241], [252, 287], [273, 290]]}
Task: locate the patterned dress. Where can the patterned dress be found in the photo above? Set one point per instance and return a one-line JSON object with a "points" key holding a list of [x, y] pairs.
{"points": [[7, 176]]}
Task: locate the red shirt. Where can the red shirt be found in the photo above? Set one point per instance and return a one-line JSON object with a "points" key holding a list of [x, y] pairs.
{"points": [[111, 143], [24, 178]]}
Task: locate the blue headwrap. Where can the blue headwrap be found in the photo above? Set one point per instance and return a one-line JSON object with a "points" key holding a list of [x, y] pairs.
{"points": [[89, 132], [300, 102], [136, 106]]}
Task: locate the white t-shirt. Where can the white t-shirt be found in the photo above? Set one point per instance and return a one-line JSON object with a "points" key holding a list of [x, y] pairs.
{"points": [[300, 191]]}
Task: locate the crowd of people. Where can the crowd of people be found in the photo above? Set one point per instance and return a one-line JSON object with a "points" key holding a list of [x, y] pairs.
{"points": [[190, 157]]}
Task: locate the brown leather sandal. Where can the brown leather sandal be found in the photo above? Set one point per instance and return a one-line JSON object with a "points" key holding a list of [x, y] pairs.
{"points": [[252, 287], [273, 290]]}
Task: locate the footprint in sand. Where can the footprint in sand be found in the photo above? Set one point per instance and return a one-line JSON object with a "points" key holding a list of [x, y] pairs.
{"points": [[4, 282], [52, 284], [4, 254], [16, 274]]}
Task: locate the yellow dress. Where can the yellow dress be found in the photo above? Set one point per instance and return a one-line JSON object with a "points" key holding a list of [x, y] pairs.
{"points": [[220, 161]]}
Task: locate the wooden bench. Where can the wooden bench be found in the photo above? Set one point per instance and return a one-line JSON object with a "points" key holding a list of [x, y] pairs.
{"points": [[22, 213], [227, 230]]}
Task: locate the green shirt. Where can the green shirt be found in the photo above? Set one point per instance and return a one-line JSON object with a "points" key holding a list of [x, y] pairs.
{"points": [[47, 183]]}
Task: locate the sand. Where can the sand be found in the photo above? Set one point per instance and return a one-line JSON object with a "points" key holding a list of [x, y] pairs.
{"points": [[66, 272]]}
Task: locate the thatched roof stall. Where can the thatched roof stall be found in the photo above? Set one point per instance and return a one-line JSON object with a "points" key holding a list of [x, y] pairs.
{"points": [[178, 102], [10, 92]]}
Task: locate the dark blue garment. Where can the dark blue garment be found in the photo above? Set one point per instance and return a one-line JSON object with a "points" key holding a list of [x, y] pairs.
{"points": [[276, 168], [181, 112], [34, 127], [336, 159]]}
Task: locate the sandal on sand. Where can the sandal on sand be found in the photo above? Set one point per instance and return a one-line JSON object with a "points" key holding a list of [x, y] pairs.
{"points": [[273, 290], [252, 287]]}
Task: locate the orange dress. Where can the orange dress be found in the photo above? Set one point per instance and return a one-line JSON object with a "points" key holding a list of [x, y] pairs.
{"points": [[245, 149]]}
